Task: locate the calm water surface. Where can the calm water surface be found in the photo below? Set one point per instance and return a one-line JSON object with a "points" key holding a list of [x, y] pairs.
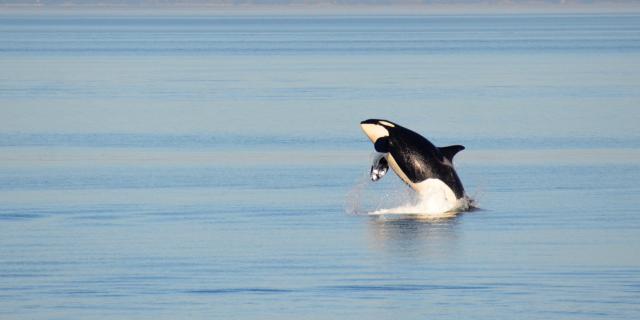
{"points": [[210, 167]]}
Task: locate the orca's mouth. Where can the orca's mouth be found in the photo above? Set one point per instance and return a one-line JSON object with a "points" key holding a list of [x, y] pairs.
{"points": [[370, 121]]}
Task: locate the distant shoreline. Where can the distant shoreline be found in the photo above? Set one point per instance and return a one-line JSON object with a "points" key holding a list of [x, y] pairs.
{"points": [[323, 9]]}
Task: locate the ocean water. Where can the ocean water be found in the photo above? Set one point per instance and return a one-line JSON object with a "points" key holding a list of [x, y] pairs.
{"points": [[212, 167]]}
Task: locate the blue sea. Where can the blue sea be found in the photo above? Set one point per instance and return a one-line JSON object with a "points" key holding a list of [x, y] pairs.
{"points": [[213, 167]]}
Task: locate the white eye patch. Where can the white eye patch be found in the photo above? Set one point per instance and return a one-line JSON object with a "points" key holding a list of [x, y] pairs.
{"points": [[386, 123]]}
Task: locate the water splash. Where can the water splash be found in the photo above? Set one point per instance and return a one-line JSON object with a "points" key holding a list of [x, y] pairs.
{"points": [[366, 196], [399, 200], [428, 206]]}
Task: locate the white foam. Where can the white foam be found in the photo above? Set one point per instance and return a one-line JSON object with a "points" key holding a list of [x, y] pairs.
{"points": [[428, 206], [434, 199]]}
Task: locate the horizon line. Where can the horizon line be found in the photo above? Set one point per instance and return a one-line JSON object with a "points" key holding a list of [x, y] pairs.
{"points": [[330, 8]]}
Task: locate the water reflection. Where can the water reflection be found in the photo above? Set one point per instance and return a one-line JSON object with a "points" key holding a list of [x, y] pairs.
{"points": [[412, 235]]}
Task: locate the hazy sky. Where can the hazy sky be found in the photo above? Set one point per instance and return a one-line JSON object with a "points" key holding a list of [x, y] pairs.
{"points": [[408, 6]]}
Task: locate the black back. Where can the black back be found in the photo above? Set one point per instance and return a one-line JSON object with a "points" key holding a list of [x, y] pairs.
{"points": [[419, 159]]}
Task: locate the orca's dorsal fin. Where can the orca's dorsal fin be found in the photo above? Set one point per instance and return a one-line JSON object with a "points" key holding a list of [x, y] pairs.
{"points": [[450, 151]]}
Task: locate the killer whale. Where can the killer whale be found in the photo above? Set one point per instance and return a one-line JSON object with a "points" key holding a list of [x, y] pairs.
{"points": [[424, 167]]}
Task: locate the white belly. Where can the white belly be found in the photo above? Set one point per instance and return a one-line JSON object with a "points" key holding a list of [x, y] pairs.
{"points": [[394, 165], [434, 194]]}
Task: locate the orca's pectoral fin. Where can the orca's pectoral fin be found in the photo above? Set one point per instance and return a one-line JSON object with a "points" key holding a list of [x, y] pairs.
{"points": [[379, 168], [450, 151]]}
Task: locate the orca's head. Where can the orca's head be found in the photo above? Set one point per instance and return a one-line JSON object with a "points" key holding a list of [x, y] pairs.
{"points": [[376, 128]]}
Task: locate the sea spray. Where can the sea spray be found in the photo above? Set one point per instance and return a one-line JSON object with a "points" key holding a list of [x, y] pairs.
{"points": [[429, 206], [366, 196]]}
